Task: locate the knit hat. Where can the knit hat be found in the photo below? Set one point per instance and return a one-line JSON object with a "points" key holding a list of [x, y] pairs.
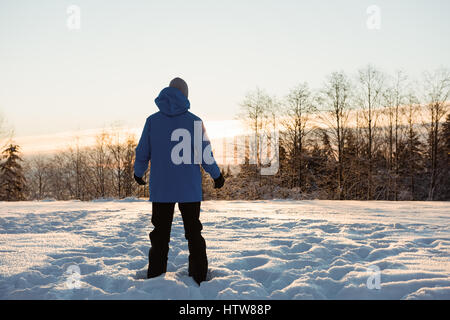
{"points": [[180, 84]]}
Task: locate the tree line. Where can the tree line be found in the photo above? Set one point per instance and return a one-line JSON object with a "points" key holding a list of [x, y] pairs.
{"points": [[102, 170], [365, 136]]}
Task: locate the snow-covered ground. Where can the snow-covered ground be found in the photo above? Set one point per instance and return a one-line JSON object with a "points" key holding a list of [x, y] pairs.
{"points": [[256, 250]]}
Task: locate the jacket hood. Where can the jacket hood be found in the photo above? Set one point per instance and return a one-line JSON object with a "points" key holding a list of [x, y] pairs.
{"points": [[172, 102]]}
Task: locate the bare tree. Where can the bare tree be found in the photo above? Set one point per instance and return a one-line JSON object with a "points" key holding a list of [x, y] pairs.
{"points": [[121, 148], [117, 149], [369, 95], [413, 143], [296, 115], [388, 104], [39, 176], [268, 148], [128, 165], [76, 159], [437, 92], [393, 98], [335, 106], [60, 174], [254, 114], [100, 163]]}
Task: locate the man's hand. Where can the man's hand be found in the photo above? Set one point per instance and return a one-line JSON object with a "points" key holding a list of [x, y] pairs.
{"points": [[218, 182], [139, 180]]}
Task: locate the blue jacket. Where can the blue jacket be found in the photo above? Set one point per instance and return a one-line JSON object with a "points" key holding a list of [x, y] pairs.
{"points": [[169, 143]]}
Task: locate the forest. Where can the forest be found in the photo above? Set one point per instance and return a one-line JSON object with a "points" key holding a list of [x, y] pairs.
{"points": [[363, 136]]}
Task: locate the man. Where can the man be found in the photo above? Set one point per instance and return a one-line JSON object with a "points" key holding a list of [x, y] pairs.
{"points": [[175, 176]]}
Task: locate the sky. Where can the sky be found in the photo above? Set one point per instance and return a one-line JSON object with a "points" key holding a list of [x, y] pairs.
{"points": [[58, 79]]}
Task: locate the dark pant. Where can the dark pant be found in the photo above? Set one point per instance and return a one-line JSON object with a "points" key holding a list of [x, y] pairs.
{"points": [[162, 216]]}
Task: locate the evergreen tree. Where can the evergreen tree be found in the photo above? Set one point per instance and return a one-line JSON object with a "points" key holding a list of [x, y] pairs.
{"points": [[411, 164], [443, 187], [322, 165], [12, 179], [351, 168], [446, 136]]}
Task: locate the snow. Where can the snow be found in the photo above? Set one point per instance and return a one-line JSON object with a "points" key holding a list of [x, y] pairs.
{"points": [[276, 249]]}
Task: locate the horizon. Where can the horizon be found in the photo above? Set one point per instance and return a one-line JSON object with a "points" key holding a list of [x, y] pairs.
{"points": [[44, 144], [219, 132]]}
